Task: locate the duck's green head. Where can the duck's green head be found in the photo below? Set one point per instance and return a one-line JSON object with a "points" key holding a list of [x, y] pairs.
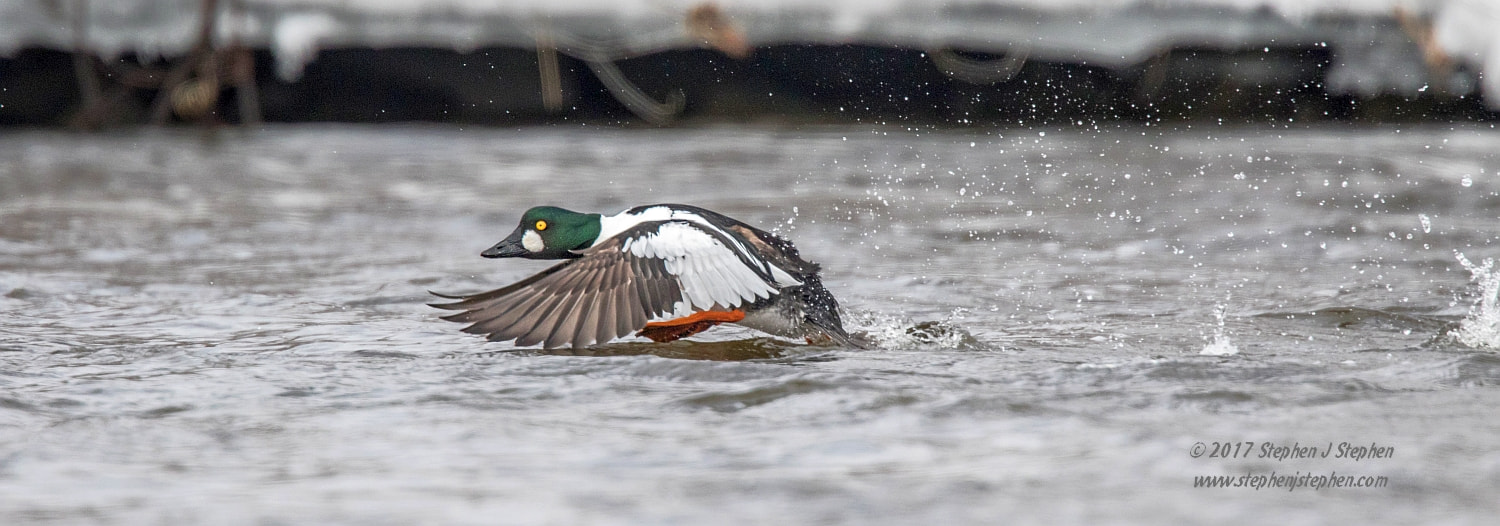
{"points": [[548, 232]]}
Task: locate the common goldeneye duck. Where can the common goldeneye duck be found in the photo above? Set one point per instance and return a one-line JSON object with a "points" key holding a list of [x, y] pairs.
{"points": [[661, 271]]}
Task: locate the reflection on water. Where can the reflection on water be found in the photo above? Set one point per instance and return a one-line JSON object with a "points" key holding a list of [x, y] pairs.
{"points": [[199, 328], [734, 350]]}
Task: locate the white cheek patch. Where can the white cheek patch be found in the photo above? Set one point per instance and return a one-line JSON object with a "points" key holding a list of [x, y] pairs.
{"points": [[532, 241]]}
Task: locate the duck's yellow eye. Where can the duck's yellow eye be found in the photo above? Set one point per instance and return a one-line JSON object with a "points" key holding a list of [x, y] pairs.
{"points": [[541, 225]]}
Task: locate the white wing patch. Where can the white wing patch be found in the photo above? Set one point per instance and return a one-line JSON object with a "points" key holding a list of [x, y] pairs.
{"points": [[709, 273], [611, 226]]}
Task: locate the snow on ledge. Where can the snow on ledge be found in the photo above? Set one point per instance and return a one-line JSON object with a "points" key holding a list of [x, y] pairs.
{"points": [[1372, 53]]}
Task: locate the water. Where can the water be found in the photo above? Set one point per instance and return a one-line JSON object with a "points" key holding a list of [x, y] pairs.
{"points": [[230, 328]]}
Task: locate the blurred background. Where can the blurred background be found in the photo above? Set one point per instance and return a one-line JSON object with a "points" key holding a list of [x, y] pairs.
{"points": [[88, 64]]}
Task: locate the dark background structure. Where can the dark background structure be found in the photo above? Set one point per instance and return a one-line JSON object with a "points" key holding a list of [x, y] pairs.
{"points": [[985, 63]]}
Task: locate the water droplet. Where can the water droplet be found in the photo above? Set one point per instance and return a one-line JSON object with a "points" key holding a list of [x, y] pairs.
{"points": [[1481, 328], [1467, 181]]}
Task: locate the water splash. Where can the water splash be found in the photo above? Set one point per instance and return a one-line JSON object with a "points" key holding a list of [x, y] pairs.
{"points": [[1219, 344], [884, 331], [1481, 328]]}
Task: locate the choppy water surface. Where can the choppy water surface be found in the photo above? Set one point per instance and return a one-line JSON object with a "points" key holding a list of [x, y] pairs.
{"points": [[231, 329]]}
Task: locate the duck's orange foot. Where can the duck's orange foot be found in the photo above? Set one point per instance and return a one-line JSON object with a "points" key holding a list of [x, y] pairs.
{"points": [[666, 331]]}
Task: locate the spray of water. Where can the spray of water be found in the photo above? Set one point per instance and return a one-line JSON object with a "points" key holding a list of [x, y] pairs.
{"points": [[1481, 328], [1219, 344], [884, 331]]}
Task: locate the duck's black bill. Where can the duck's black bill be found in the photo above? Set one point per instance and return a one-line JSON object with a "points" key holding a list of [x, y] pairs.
{"points": [[508, 248]]}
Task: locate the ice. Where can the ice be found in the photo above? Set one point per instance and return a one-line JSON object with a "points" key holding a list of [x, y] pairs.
{"points": [[296, 41], [1465, 30]]}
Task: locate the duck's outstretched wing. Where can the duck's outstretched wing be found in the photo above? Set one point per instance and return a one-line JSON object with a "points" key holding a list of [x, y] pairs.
{"points": [[651, 271]]}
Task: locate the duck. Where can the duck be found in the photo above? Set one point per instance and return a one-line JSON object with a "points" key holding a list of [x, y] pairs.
{"points": [[662, 271]]}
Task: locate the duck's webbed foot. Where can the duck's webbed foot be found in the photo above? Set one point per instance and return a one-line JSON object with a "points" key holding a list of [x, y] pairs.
{"points": [[670, 330]]}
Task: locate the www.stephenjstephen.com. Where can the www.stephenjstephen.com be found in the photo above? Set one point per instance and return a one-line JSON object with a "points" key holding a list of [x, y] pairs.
{"points": [[1295, 451], [1290, 482]]}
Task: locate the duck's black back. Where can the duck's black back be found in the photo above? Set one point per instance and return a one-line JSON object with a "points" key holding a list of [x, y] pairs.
{"points": [[818, 306]]}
